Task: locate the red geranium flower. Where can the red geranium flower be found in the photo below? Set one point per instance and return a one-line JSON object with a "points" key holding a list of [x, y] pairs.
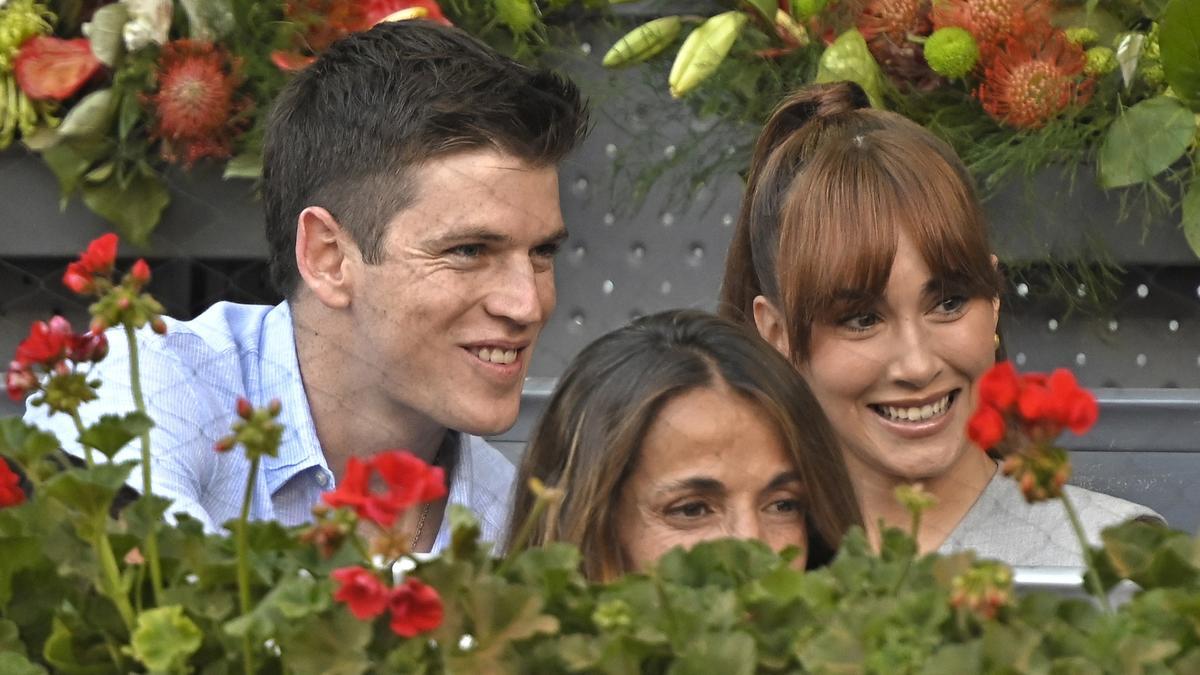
{"points": [[409, 481], [361, 591], [97, 259], [986, 427], [1032, 78], [54, 69], [416, 608], [47, 344], [20, 381], [10, 486], [999, 386]]}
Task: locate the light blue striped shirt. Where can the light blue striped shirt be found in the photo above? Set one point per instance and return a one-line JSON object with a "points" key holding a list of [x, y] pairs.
{"points": [[192, 378]]}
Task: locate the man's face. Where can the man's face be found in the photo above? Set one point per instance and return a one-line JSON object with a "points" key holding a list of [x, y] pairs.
{"points": [[447, 321]]}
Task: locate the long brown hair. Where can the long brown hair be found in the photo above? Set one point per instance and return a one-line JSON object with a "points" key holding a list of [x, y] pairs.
{"points": [[831, 185], [588, 441]]}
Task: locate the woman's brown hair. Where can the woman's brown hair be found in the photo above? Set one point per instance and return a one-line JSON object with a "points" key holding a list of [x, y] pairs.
{"points": [[832, 183], [588, 441]]}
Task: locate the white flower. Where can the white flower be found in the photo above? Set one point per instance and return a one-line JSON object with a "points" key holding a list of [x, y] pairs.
{"points": [[149, 22]]}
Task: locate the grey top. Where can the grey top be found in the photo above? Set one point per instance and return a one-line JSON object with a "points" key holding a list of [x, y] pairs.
{"points": [[1001, 525]]}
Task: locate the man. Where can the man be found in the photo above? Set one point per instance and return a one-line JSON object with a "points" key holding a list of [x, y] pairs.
{"points": [[412, 215]]}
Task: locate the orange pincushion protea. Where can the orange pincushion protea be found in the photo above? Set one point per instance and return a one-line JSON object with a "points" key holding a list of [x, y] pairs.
{"points": [[1032, 78], [196, 107], [892, 19], [991, 21]]}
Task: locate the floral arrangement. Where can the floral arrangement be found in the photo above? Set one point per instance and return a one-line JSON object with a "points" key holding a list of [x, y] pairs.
{"points": [[93, 581], [1014, 85], [112, 93]]}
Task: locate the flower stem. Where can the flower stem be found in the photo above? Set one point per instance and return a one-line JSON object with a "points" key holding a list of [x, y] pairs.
{"points": [[526, 531], [1092, 578], [111, 575], [243, 563], [135, 381], [87, 449]]}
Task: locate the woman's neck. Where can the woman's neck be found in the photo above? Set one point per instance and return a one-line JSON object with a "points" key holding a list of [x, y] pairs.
{"points": [[956, 491]]}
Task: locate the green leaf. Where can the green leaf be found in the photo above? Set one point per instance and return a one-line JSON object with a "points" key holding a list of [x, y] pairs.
{"points": [[92, 116], [68, 165], [165, 638], [1191, 215], [110, 433], [129, 114], [61, 652], [246, 165], [766, 8], [848, 58], [1179, 42], [90, 491], [12, 663], [134, 210], [328, 645], [24, 442], [1145, 140], [105, 33], [732, 653], [20, 552]]}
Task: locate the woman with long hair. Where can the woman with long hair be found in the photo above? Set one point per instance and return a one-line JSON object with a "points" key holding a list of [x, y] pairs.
{"points": [[678, 428], [861, 253]]}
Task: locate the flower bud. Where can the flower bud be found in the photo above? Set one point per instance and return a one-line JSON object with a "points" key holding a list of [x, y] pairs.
{"points": [[98, 325], [274, 407], [140, 273], [158, 325], [951, 52], [244, 409], [225, 444], [124, 303]]}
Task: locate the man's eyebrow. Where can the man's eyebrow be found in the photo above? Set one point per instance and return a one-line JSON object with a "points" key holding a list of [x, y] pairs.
{"points": [[484, 234]]}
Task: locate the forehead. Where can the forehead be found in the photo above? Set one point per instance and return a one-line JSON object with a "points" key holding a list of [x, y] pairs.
{"points": [[480, 189]]}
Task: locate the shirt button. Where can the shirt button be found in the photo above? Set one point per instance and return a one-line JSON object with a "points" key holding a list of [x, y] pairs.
{"points": [[322, 479]]}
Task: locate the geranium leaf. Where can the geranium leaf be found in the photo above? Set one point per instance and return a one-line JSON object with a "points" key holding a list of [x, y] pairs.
{"points": [[92, 116], [104, 33], [90, 491], [1179, 42], [732, 653], [165, 638], [20, 552], [135, 210], [25, 443], [335, 645], [12, 663], [110, 433], [60, 652], [1191, 215], [1144, 141]]}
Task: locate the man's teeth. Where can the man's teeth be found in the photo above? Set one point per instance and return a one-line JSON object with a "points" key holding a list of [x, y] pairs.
{"points": [[501, 356], [916, 414]]}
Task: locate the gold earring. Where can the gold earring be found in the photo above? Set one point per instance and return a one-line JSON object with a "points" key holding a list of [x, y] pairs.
{"points": [[997, 337]]}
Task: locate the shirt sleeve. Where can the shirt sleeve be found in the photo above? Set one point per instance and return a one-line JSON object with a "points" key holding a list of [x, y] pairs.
{"points": [[182, 456]]}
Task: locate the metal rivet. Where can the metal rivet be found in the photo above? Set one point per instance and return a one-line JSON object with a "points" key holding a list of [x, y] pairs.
{"points": [[1022, 289], [669, 152], [696, 254], [1052, 324], [727, 219], [611, 150], [577, 317], [1081, 291], [1140, 360], [578, 252], [579, 187], [665, 289], [609, 218], [1173, 325], [1020, 358], [585, 47], [1081, 359], [1113, 326], [607, 287], [637, 251], [1143, 290], [668, 219]]}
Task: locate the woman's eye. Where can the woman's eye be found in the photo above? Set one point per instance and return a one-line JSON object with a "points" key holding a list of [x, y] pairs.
{"points": [[860, 322], [690, 510], [952, 304]]}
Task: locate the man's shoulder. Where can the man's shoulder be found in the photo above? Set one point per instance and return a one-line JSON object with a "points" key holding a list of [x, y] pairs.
{"points": [[486, 467]]}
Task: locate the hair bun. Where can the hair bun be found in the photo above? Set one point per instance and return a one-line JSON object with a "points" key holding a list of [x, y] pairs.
{"points": [[818, 100]]}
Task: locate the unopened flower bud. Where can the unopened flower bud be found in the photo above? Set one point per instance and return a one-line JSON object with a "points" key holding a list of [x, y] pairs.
{"points": [[158, 325], [274, 407], [99, 325], [225, 444], [244, 408], [124, 303], [134, 557], [140, 273]]}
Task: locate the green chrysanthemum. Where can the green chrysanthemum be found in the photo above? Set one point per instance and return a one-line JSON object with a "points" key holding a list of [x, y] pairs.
{"points": [[519, 15], [19, 21], [951, 52], [1082, 36], [1100, 61]]}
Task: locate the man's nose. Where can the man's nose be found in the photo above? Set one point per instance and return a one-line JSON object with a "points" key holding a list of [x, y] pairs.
{"points": [[519, 294]]}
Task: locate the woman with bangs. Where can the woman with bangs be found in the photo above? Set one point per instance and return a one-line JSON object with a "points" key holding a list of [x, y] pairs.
{"points": [[861, 254]]}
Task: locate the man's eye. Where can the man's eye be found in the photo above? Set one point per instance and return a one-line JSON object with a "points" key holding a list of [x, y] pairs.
{"points": [[466, 250], [547, 250]]}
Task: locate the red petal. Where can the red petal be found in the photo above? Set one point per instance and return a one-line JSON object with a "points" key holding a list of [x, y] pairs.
{"points": [[52, 68], [291, 62]]}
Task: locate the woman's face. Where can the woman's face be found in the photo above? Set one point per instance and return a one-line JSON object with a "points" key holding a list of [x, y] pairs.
{"points": [[712, 465], [898, 381]]}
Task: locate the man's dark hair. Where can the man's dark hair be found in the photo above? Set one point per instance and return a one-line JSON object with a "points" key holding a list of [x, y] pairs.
{"points": [[348, 132]]}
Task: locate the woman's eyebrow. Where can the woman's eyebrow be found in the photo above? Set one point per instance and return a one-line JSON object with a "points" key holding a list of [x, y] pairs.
{"points": [[703, 484], [784, 478]]}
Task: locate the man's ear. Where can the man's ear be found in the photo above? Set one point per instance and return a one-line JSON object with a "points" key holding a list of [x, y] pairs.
{"points": [[771, 325], [325, 255]]}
